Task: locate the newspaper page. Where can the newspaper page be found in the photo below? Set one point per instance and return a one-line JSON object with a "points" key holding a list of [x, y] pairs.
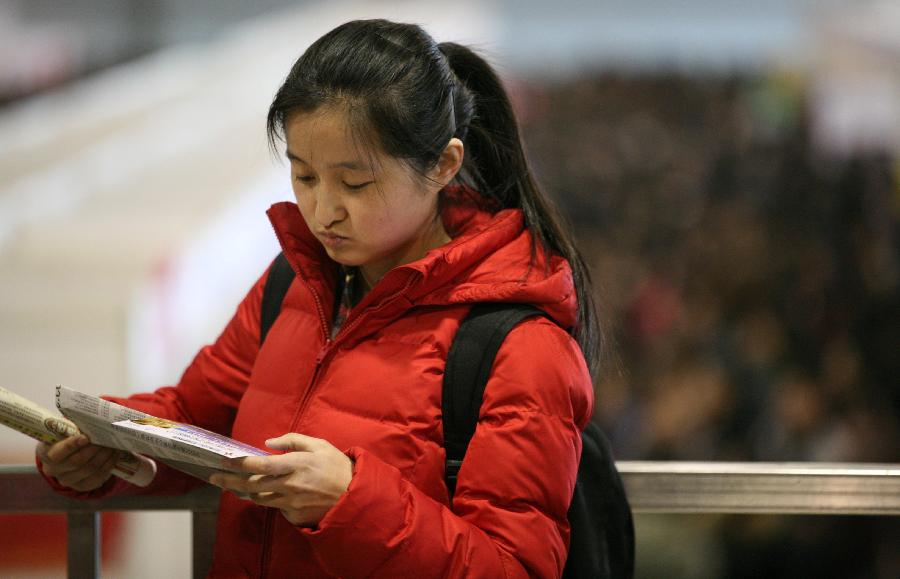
{"points": [[41, 424], [188, 448]]}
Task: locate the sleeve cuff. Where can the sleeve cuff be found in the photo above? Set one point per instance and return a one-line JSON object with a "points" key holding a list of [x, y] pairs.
{"points": [[351, 503], [363, 521]]}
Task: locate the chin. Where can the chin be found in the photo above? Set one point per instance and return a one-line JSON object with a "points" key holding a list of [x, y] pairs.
{"points": [[344, 258]]}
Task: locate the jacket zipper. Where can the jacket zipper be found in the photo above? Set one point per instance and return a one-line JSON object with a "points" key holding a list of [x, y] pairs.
{"points": [[270, 513], [330, 345], [269, 520]]}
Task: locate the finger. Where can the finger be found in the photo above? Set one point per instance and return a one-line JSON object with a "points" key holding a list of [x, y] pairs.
{"points": [[267, 499], [81, 466], [95, 465], [72, 462], [240, 465], [264, 484], [41, 450], [61, 450], [267, 465], [86, 457], [248, 485], [295, 441], [236, 483], [100, 472]]}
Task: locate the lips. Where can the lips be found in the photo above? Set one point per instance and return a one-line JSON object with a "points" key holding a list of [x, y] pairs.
{"points": [[331, 240]]}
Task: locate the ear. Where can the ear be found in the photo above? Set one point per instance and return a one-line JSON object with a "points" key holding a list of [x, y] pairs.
{"points": [[449, 163]]}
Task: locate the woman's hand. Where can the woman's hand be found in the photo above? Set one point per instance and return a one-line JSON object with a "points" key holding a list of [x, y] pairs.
{"points": [[303, 484], [76, 463]]}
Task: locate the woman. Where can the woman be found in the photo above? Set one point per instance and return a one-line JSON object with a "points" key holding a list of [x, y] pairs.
{"points": [[412, 188]]}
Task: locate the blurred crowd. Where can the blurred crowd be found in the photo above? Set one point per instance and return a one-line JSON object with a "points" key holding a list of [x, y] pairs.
{"points": [[750, 286]]}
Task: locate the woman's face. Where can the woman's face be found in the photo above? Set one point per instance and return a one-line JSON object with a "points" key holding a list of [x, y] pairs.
{"points": [[366, 208]]}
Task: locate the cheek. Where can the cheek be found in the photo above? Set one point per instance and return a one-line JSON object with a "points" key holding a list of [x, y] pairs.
{"points": [[306, 204], [394, 223]]}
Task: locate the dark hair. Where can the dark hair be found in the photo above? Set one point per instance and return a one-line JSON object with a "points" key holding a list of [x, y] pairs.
{"points": [[413, 96]]}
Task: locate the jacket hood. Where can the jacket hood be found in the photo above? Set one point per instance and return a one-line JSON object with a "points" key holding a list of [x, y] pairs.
{"points": [[489, 259]]}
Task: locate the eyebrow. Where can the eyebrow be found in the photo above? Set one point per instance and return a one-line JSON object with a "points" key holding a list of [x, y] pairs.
{"points": [[352, 165]]}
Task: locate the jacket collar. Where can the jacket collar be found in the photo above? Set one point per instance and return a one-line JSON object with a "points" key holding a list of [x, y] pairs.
{"points": [[489, 259]]}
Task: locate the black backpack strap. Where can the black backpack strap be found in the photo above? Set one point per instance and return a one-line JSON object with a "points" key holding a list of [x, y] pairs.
{"points": [[280, 277], [468, 367], [602, 538]]}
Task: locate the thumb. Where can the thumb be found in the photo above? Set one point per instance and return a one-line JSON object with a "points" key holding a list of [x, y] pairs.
{"points": [[294, 441]]}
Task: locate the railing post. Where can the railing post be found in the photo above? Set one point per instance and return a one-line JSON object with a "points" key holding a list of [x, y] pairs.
{"points": [[84, 545], [203, 529]]}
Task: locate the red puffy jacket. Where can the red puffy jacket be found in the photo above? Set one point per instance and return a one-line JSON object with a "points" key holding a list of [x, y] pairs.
{"points": [[375, 391]]}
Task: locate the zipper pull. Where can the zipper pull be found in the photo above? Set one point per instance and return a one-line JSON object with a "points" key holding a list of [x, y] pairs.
{"points": [[323, 351]]}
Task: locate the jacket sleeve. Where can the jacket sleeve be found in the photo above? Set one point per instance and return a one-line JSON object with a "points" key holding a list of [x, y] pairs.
{"points": [[207, 395], [509, 514]]}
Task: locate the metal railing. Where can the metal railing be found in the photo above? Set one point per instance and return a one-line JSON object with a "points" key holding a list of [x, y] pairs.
{"points": [[658, 487], [23, 490], [760, 487]]}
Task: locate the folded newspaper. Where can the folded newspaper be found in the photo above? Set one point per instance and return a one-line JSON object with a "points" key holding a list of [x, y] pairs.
{"points": [[44, 425], [188, 448]]}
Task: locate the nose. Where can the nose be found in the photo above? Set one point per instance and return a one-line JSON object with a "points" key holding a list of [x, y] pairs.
{"points": [[329, 207]]}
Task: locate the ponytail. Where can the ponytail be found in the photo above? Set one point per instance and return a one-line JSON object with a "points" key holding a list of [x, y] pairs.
{"points": [[495, 164]]}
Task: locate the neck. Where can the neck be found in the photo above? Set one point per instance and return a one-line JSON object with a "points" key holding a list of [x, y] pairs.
{"points": [[366, 283]]}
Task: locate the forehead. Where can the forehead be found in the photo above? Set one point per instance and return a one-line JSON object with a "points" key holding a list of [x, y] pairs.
{"points": [[329, 135]]}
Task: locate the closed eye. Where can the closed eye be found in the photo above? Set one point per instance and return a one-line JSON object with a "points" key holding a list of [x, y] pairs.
{"points": [[357, 186]]}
